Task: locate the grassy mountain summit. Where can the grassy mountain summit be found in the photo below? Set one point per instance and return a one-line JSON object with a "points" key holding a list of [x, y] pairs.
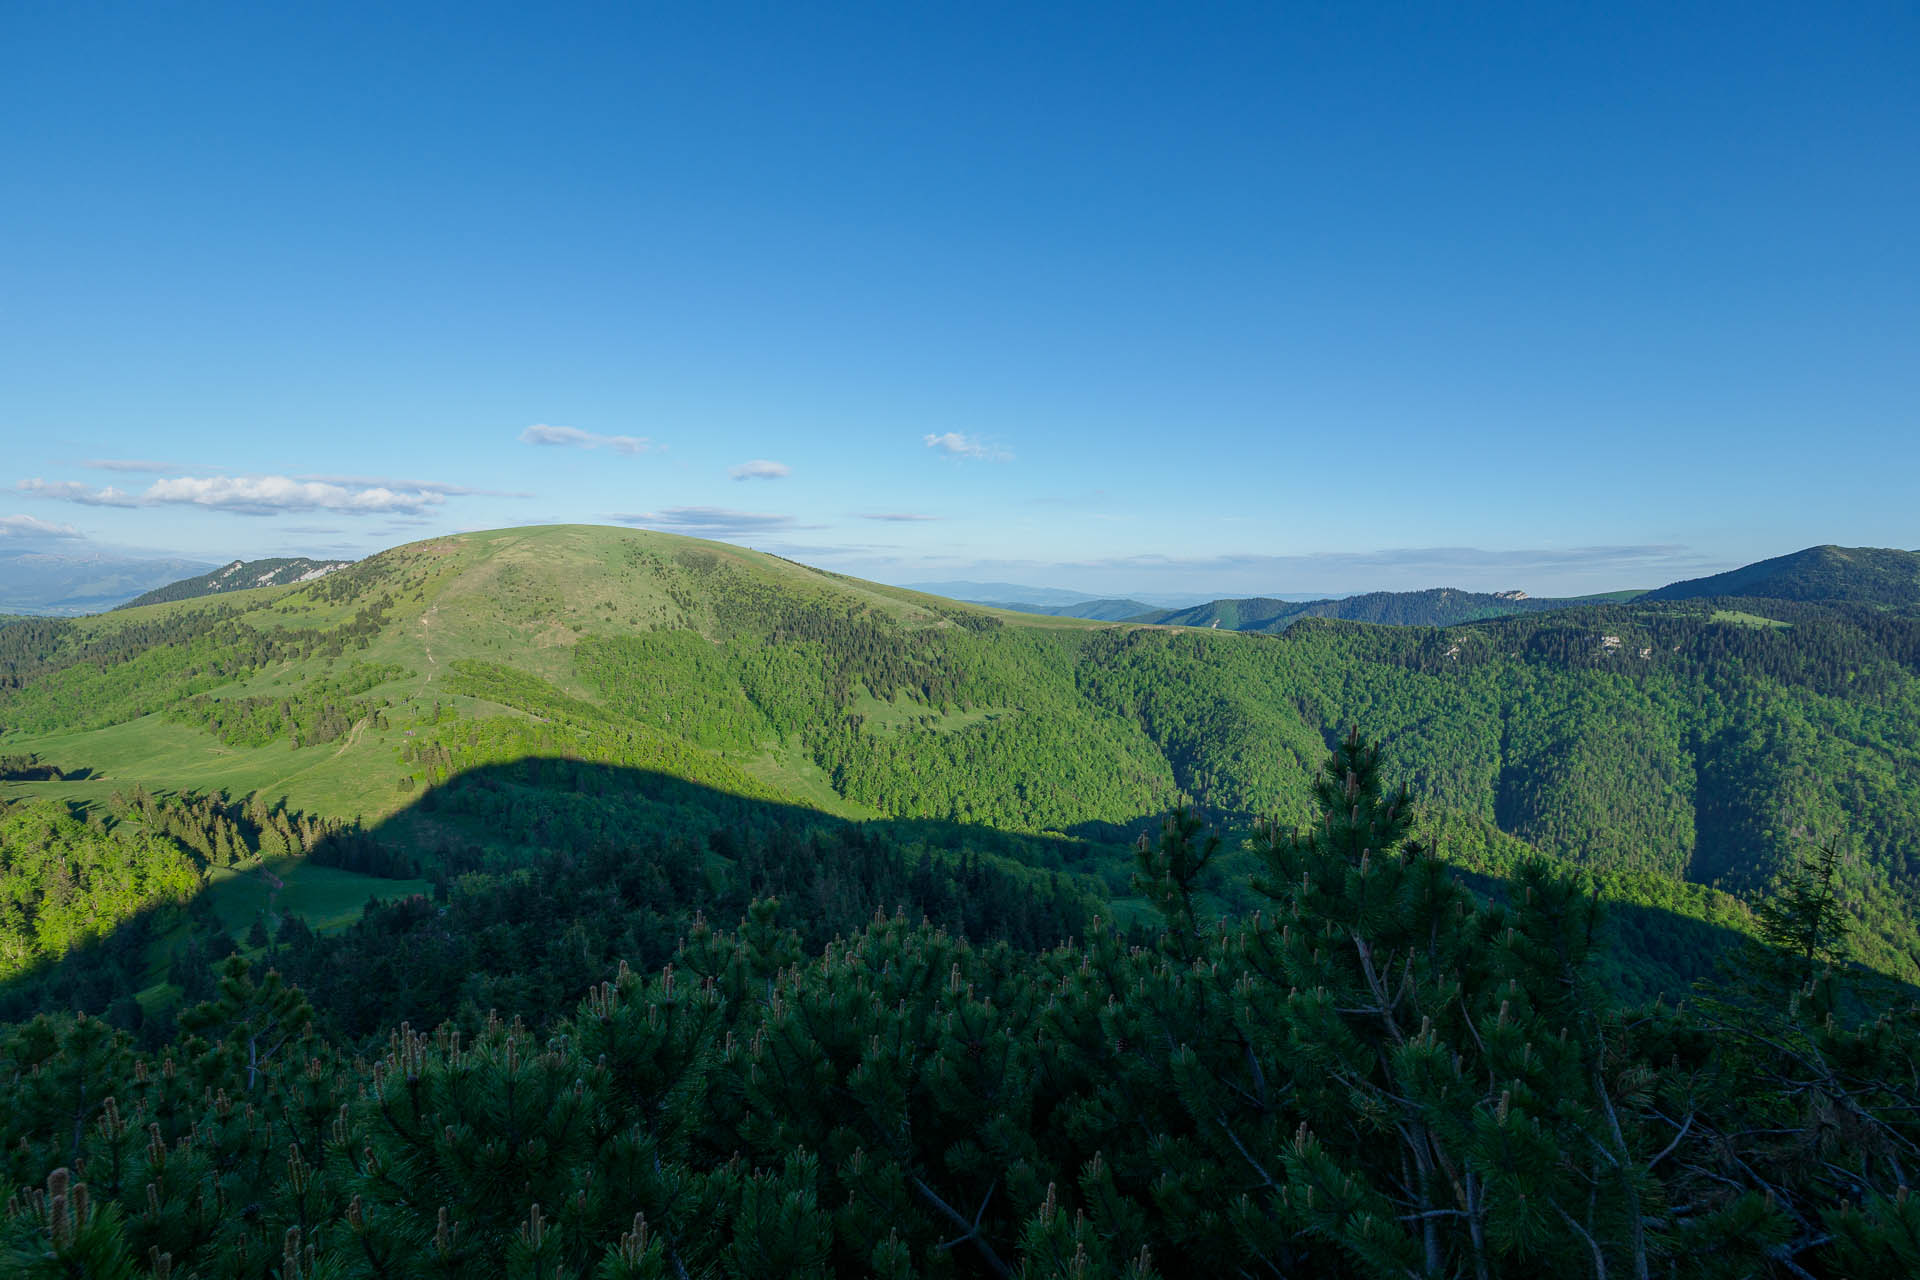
{"points": [[1862, 575], [525, 627]]}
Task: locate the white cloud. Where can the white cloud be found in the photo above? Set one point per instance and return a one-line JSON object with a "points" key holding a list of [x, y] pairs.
{"points": [[760, 469], [954, 444], [34, 527], [247, 495], [898, 517], [283, 493], [573, 437], [73, 491]]}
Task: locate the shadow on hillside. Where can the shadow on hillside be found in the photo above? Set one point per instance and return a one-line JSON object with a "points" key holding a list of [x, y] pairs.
{"points": [[547, 872]]}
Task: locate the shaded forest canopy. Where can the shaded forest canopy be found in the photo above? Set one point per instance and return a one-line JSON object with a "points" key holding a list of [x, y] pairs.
{"points": [[803, 1094]]}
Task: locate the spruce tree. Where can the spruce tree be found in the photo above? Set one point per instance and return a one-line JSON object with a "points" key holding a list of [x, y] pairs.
{"points": [[1803, 920]]}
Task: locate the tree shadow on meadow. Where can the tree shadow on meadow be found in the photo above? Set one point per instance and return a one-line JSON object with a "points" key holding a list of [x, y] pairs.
{"points": [[516, 887]]}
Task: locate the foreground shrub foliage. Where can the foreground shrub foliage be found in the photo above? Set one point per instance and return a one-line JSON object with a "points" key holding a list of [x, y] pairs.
{"points": [[1379, 1074]]}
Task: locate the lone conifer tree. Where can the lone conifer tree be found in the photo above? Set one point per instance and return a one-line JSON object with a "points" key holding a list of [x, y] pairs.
{"points": [[1803, 922]]}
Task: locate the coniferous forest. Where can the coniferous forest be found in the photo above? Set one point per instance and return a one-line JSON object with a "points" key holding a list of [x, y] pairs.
{"points": [[587, 903]]}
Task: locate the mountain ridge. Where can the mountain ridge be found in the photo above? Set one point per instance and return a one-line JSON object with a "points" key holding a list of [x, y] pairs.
{"points": [[1866, 575], [240, 575], [1435, 606]]}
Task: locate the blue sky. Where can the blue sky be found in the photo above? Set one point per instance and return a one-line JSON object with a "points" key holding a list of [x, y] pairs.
{"points": [[1201, 298]]}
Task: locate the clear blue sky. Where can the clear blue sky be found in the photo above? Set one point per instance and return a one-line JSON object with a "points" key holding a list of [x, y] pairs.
{"points": [[1179, 297]]}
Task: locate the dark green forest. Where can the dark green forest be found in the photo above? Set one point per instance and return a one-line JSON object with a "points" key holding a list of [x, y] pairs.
{"points": [[1377, 1073]]}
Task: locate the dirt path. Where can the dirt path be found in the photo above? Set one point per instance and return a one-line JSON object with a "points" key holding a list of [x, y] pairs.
{"points": [[426, 639], [346, 745], [353, 736]]}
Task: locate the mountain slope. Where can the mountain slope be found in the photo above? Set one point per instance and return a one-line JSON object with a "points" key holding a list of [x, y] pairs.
{"points": [[241, 575], [1862, 575], [1666, 749]]}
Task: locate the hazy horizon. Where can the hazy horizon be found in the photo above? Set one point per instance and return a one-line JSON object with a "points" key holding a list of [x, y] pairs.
{"points": [[1040, 590]]}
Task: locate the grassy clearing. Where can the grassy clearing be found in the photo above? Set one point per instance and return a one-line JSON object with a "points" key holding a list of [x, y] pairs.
{"points": [[355, 775], [900, 713], [789, 770], [1739, 619], [327, 898]]}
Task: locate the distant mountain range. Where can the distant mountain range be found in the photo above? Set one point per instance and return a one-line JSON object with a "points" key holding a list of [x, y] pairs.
{"points": [[241, 575], [1858, 575], [1095, 610], [1434, 607], [1011, 595], [65, 585]]}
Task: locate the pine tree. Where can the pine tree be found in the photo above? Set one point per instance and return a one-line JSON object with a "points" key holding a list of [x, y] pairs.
{"points": [[1167, 873], [1803, 920]]}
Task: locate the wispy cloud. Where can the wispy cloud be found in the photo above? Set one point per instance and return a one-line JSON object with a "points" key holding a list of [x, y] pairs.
{"points": [[956, 445], [246, 495], [573, 437], [135, 464], [897, 517], [760, 469], [712, 522], [34, 527]]}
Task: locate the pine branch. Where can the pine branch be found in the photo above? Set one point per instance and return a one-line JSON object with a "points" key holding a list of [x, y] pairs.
{"points": [[971, 1230]]}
